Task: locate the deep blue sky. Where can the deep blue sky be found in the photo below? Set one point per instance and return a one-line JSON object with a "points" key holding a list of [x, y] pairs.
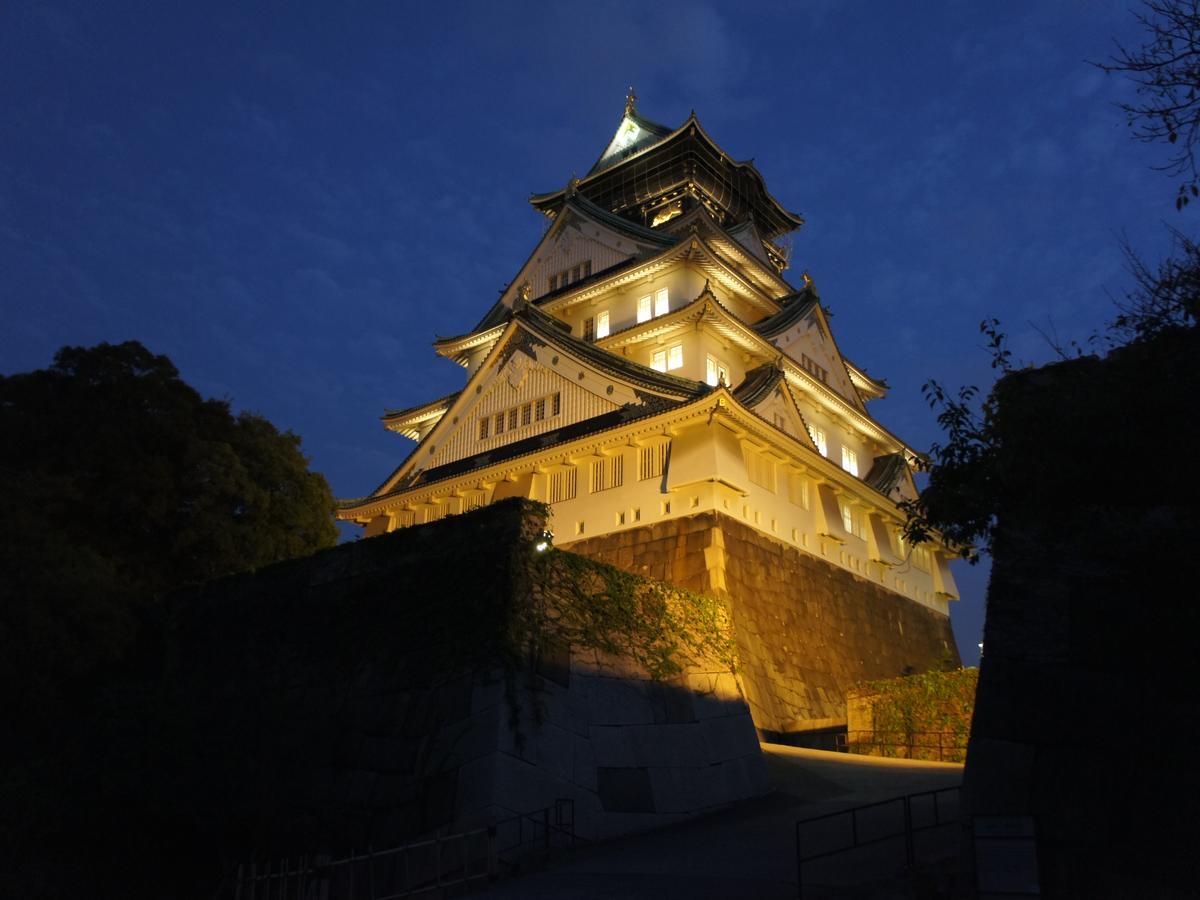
{"points": [[291, 200]]}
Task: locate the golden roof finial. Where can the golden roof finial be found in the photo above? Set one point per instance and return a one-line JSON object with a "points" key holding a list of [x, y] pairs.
{"points": [[630, 101]]}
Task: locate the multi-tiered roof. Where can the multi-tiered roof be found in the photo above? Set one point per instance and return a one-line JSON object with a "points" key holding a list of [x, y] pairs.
{"points": [[654, 305]]}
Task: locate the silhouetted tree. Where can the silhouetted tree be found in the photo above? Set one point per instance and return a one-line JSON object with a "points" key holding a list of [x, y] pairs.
{"points": [[120, 482], [1166, 69]]}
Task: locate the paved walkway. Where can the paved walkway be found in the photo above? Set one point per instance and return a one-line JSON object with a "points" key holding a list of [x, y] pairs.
{"points": [[746, 851]]}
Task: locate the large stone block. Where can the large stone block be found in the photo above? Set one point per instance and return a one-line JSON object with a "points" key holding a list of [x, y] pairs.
{"points": [[616, 701], [625, 790], [729, 737]]}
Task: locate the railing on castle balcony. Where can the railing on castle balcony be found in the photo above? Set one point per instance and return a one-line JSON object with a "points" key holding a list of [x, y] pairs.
{"points": [[940, 746], [414, 869]]}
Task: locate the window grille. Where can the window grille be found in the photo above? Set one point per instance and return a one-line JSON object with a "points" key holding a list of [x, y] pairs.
{"points": [[652, 460], [562, 484]]}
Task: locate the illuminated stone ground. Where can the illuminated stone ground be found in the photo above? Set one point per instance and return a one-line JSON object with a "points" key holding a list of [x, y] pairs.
{"points": [[748, 851]]}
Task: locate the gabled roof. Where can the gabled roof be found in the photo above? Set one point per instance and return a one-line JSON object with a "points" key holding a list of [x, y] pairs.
{"points": [[634, 134], [652, 385]]}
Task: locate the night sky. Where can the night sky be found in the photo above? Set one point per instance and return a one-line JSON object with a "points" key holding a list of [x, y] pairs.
{"points": [[292, 200]]}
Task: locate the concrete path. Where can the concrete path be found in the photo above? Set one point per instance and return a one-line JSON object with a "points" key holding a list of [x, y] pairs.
{"points": [[748, 850]]}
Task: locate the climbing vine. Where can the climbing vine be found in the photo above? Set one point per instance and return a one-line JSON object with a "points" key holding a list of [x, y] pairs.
{"points": [[591, 605], [906, 712]]}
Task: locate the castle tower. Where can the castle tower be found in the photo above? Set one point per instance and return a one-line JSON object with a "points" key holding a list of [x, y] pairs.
{"points": [[687, 413]]}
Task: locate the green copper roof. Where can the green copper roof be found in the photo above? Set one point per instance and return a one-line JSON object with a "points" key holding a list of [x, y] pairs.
{"points": [[635, 133]]}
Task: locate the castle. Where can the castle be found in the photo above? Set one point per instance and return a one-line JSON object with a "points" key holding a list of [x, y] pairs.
{"points": [[687, 414]]}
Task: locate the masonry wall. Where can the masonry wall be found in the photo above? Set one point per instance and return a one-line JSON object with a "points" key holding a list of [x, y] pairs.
{"points": [[374, 693], [806, 630], [1087, 717]]}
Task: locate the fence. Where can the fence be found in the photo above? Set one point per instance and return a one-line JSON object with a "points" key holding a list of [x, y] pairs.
{"points": [[943, 746], [915, 813], [413, 869]]}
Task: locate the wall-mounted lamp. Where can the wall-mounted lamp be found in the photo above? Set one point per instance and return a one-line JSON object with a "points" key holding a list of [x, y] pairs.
{"points": [[543, 542]]}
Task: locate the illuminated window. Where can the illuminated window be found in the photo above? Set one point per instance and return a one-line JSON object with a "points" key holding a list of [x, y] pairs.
{"points": [[661, 306], [853, 521], [716, 372], [849, 460], [602, 324], [818, 437], [483, 428], [665, 360], [644, 312]]}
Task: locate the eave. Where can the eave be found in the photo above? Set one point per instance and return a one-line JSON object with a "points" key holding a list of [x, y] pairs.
{"points": [[706, 308], [720, 402], [549, 330], [695, 250], [409, 422]]}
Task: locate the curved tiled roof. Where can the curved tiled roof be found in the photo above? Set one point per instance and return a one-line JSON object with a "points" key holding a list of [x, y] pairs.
{"points": [[886, 472], [758, 384], [794, 309]]}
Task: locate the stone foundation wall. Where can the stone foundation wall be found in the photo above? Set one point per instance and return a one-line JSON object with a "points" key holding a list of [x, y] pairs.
{"points": [[1087, 716], [806, 629], [360, 697]]}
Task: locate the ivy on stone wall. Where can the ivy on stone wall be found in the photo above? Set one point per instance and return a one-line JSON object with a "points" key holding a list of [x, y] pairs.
{"points": [[919, 715], [566, 600], [591, 605]]}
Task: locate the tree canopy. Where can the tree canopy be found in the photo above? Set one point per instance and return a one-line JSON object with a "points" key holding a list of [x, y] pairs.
{"points": [[122, 483]]}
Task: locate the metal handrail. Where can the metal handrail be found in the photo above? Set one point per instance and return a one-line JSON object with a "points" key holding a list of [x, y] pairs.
{"points": [[316, 876], [907, 740], [856, 842]]}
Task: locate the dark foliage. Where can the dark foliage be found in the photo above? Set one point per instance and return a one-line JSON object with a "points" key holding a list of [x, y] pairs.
{"points": [[963, 493], [121, 483]]}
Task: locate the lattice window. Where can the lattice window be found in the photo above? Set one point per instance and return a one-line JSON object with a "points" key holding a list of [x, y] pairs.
{"points": [[798, 490], [849, 460], [608, 473], [652, 460], [760, 469], [562, 484], [818, 436]]}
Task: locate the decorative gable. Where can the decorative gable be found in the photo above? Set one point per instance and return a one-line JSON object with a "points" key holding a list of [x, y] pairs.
{"points": [[523, 399], [809, 343]]}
